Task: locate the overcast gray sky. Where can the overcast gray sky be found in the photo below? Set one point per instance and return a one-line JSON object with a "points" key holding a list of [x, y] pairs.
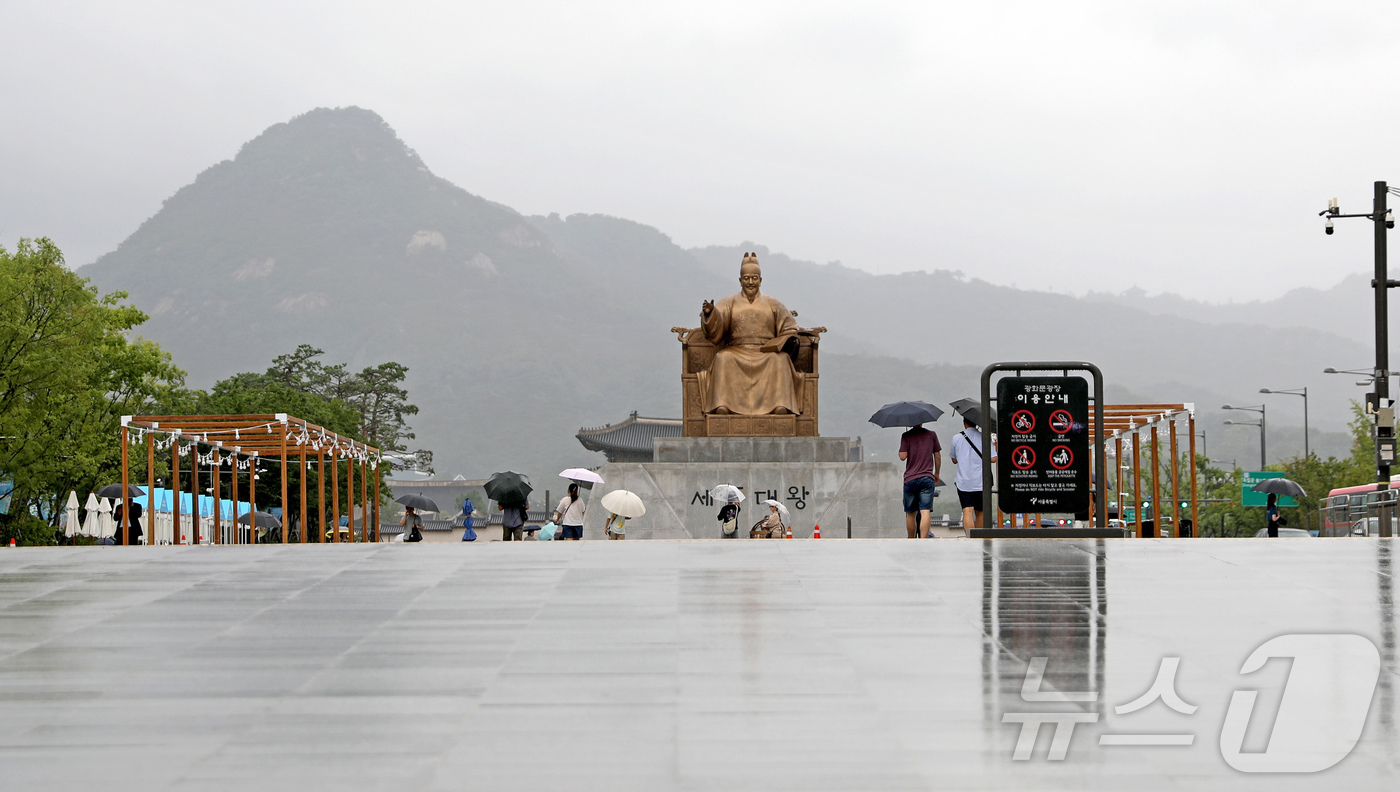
{"points": [[1181, 146]]}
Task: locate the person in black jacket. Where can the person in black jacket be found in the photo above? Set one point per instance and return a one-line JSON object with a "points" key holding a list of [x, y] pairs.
{"points": [[513, 521], [729, 520], [120, 536]]}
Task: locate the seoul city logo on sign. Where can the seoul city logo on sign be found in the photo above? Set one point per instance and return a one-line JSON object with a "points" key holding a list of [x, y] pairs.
{"points": [[1023, 457], [1023, 422], [1061, 457], [1061, 422]]}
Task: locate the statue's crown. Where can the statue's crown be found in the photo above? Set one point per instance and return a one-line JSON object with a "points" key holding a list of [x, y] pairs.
{"points": [[749, 258]]}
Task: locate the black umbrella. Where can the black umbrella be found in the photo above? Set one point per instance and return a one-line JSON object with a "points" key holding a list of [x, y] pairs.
{"points": [[262, 520], [418, 502], [508, 488], [905, 413], [971, 409], [1280, 486], [115, 491]]}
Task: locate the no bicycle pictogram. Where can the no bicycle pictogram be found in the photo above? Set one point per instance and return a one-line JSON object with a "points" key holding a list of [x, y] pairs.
{"points": [[1023, 457], [1022, 422], [1061, 457], [1061, 422]]}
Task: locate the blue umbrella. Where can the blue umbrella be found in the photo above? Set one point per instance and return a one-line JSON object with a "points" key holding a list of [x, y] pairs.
{"points": [[905, 413]]}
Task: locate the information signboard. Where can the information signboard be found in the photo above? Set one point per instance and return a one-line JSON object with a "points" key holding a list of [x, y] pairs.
{"points": [[1261, 499], [1043, 444]]}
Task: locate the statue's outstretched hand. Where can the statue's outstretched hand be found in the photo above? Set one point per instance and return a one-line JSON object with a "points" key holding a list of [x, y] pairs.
{"points": [[708, 308]]}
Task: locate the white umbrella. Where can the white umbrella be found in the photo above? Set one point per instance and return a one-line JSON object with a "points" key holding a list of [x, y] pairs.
{"points": [[781, 509], [91, 524], [579, 474], [106, 526], [726, 493], [71, 527], [624, 504]]}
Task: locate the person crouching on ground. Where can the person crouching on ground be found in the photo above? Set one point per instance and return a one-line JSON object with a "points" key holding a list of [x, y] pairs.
{"points": [[569, 515], [616, 526], [770, 527], [923, 458]]}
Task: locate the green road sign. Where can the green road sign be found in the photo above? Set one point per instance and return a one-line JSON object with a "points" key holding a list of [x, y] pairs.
{"points": [[1261, 499]]}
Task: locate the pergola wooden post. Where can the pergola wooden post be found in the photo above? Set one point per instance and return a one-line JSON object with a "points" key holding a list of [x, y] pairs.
{"points": [[286, 515], [126, 482], [233, 474], [301, 474], [1156, 488], [1118, 469], [1195, 524], [320, 495], [194, 493], [335, 497], [376, 500], [150, 485], [364, 501], [174, 488], [1137, 485], [253, 498], [1176, 493], [217, 476]]}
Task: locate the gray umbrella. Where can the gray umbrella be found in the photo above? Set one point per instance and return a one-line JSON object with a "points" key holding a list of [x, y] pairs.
{"points": [[418, 502], [115, 491], [905, 413], [1280, 486], [971, 410], [261, 520]]}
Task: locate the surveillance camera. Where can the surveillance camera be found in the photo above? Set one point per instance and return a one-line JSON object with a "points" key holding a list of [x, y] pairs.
{"points": [[1389, 219], [1328, 228]]}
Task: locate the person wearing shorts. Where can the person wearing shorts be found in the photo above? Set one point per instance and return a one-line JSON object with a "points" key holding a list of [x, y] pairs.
{"points": [[923, 458], [966, 453], [569, 515]]}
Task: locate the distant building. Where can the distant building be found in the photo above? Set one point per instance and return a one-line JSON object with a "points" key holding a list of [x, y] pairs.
{"points": [[629, 441]]}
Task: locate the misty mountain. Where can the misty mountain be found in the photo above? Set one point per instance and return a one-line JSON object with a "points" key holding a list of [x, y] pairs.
{"points": [[517, 331]]}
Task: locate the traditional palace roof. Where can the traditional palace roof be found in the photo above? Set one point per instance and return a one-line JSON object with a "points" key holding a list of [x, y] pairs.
{"points": [[629, 441]]}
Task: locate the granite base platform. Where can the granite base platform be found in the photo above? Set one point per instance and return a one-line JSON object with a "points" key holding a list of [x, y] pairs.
{"points": [[812, 476]]}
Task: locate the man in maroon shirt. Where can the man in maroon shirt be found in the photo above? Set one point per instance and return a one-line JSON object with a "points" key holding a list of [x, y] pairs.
{"points": [[923, 458]]}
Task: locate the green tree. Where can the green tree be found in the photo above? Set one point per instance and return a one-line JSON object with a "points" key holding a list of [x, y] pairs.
{"points": [[68, 371]]}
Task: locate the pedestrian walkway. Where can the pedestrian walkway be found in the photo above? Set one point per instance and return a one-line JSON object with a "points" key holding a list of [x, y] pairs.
{"points": [[800, 665]]}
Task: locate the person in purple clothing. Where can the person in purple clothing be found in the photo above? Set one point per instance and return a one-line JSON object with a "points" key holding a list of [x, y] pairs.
{"points": [[923, 458]]}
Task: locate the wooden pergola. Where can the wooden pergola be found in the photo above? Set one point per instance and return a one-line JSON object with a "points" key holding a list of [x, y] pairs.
{"points": [[1129, 420], [238, 442]]}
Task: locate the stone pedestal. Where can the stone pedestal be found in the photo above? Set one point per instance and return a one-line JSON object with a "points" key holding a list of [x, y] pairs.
{"points": [[810, 475]]}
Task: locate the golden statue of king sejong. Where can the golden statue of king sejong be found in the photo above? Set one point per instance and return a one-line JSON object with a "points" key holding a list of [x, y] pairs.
{"points": [[751, 373]]}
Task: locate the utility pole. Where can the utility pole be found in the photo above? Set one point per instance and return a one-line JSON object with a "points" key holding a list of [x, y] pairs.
{"points": [[1384, 414]]}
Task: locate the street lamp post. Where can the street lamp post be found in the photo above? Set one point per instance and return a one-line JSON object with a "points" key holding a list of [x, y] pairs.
{"points": [[1261, 423], [1382, 220], [1297, 392]]}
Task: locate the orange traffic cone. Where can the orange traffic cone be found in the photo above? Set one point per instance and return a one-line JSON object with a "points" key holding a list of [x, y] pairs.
{"points": [[184, 540], [816, 532], [788, 535], [12, 541]]}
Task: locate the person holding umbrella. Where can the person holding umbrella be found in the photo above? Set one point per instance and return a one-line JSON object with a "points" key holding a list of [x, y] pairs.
{"points": [[1271, 514], [771, 526], [966, 453], [622, 506], [412, 525], [728, 516], [569, 515], [922, 455]]}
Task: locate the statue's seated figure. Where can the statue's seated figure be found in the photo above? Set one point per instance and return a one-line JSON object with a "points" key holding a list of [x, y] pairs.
{"points": [[749, 358]]}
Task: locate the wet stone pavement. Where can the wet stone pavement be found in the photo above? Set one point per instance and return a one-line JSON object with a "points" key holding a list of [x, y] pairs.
{"points": [[802, 665]]}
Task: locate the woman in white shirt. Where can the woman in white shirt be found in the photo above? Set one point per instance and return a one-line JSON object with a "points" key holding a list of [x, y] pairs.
{"points": [[569, 515]]}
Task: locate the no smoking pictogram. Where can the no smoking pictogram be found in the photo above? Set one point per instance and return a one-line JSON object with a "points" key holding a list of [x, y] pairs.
{"points": [[1023, 457], [1060, 421], [1023, 422], [1061, 457]]}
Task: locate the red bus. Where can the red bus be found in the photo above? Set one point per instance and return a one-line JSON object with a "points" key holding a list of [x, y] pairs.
{"points": [[1345, 505]]}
